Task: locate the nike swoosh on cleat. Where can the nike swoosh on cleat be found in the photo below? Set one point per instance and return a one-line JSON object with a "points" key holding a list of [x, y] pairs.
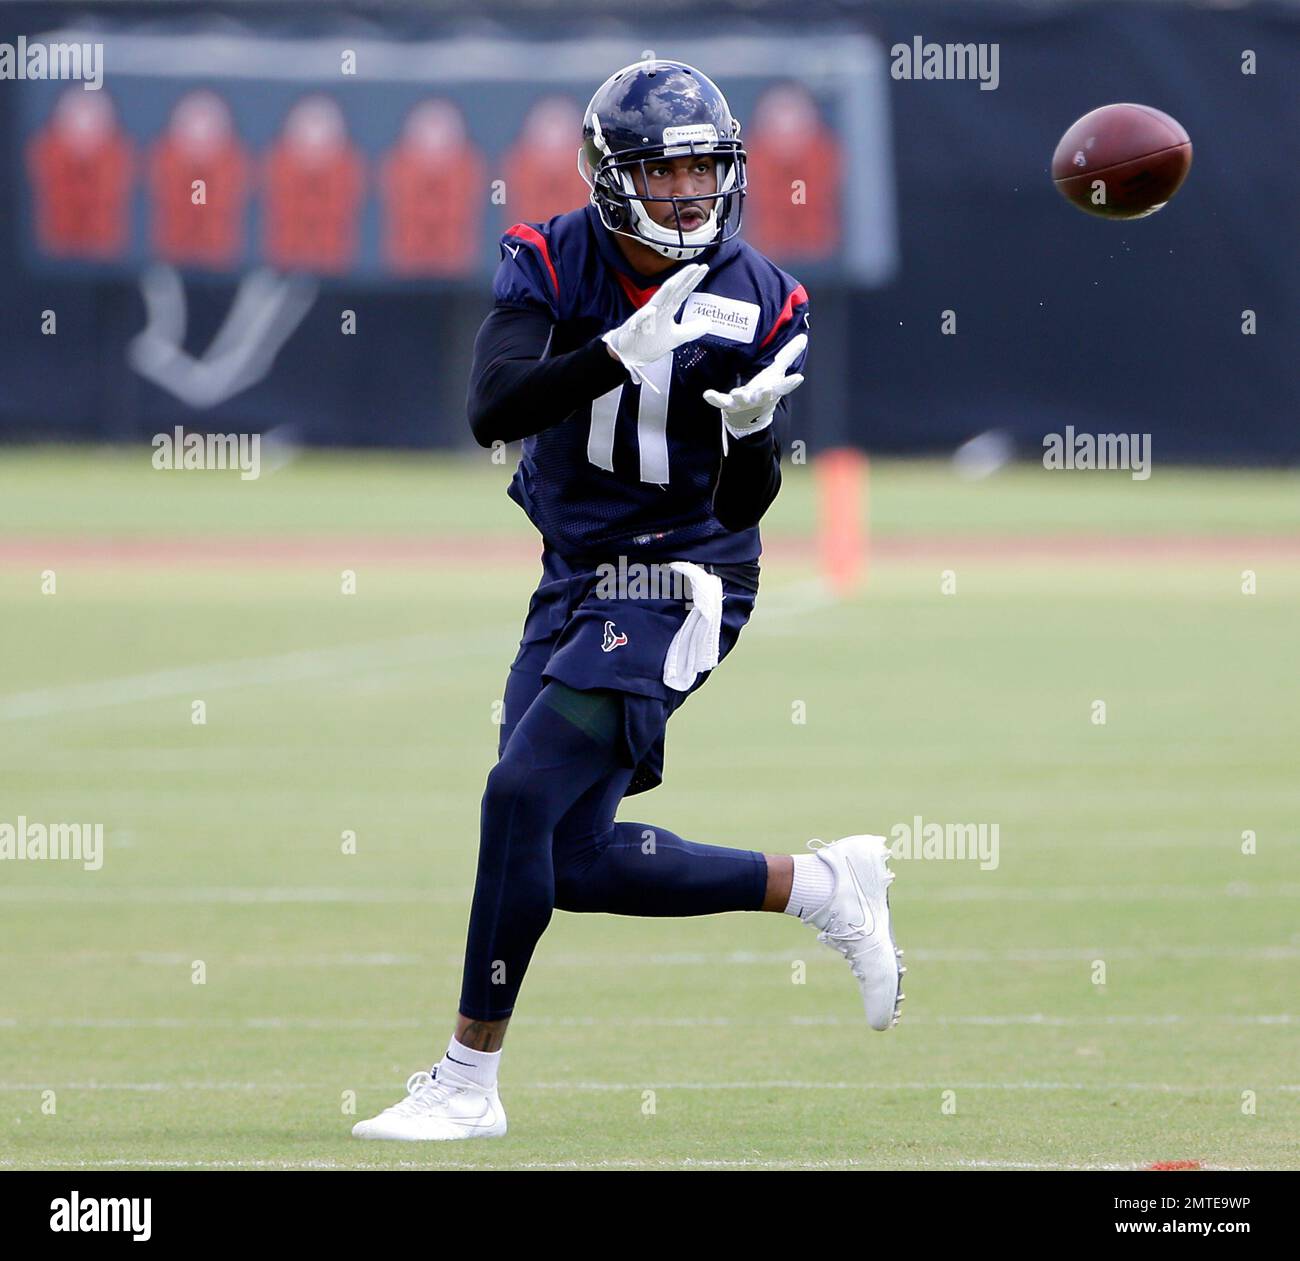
{"points": [[857, 884]]}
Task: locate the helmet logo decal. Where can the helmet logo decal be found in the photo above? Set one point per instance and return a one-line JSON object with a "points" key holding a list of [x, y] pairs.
{"points": [[693, 133]]}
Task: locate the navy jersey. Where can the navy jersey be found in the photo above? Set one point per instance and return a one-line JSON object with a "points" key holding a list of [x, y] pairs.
{"points": [[634, 472]]}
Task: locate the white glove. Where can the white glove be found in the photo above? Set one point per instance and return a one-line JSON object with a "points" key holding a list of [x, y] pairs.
{"points": [[750, 407], [652, 332]]}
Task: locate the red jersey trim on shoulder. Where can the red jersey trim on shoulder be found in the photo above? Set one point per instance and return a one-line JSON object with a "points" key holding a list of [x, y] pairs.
{"points": [[797, 298], [533, 237], [637, 296]]}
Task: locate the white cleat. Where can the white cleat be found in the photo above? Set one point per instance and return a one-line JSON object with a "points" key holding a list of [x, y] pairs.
{"points": [[856, 922], [438, 1106]]}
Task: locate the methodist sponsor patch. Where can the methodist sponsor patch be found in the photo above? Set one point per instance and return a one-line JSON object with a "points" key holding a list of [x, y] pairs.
{"points": [[731, 318]]}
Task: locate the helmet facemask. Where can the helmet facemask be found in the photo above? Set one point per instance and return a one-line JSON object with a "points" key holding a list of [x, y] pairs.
{"points": [[623, 210]]}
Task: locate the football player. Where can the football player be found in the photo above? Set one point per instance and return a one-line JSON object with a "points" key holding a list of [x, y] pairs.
{"points": [[642, 352]]}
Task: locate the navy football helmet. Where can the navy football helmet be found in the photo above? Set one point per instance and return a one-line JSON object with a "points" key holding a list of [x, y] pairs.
{"points": [[661, 109]]}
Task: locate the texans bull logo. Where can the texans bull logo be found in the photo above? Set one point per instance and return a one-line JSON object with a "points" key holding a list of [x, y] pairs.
{"points": [[613, 638]]}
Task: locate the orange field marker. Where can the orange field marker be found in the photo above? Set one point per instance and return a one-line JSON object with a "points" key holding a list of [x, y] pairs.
{"points": [[842, 527]]}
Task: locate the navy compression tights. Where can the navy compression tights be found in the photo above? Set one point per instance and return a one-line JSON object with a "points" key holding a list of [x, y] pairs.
{"points": [[548, 840]]}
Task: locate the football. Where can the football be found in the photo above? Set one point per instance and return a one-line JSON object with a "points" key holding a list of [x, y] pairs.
{"points": [[1122, 161]]}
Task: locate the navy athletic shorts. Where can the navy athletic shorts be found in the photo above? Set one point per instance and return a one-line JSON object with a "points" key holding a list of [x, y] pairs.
{"points": [[589, 631]]}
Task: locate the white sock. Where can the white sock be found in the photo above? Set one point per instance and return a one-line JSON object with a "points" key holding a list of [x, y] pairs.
{"points": [[480, 1067], [812, 886]]}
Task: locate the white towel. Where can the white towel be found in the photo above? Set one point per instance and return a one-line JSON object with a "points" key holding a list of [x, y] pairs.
{"points": [[695, 647]]}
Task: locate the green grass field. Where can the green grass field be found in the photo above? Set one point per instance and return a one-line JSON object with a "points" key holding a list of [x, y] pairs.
{"points": [[329, 973]]}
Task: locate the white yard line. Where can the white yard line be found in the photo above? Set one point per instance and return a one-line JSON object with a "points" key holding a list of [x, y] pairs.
{"points": [[89, 892], [1101, 893], [290, 667], [249, 895], [614, 1163], [1049, 954], [600, 1087], [1100, 1087], [333, 1024], [287, 667], [1062, 954], [622, 960], [789, 603]]}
